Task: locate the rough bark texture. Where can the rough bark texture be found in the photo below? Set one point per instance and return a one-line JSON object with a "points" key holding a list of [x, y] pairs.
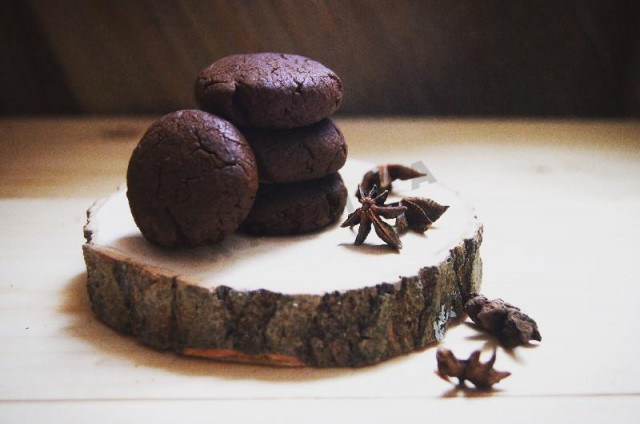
{"points": [[338, 329]]}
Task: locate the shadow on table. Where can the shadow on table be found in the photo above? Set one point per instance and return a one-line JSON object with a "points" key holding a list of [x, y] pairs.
{"points": [[85, 326], [468, 392]]}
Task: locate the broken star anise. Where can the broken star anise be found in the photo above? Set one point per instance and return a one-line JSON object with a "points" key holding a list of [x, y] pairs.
{"points": [[483, 376], [506, 321], [420, 215], [371, 213], [383, 175]]}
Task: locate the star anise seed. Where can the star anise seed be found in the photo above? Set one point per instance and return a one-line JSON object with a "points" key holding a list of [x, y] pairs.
{"points": [[420, 215], [370, 213], [431, 208], [417, 219]]}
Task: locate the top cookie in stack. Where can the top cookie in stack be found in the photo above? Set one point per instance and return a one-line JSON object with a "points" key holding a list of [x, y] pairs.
{"points": [[281, 104], [269, 90]]}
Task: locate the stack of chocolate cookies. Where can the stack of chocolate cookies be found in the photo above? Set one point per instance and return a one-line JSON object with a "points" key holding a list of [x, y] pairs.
{"points": [[282, 103], [262, 154]]}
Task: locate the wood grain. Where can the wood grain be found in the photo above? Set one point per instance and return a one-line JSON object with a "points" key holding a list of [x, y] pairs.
{"points": [[406, 57], [32, 79], [559, 200]]}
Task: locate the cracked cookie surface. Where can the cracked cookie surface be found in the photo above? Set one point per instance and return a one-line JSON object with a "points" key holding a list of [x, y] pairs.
{"points": [[191, 180], [269, 90], [298, 154], [296, 208]]}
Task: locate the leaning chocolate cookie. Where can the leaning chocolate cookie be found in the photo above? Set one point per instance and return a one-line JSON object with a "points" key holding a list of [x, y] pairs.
{"points": [[269, 90], [296, 208], [191, 180], [298, 154]]}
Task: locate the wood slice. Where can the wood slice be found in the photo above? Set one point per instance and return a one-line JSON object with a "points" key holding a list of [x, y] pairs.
{"points": [[310, 300]]}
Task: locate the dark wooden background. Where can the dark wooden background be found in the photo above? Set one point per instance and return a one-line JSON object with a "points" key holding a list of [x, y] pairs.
{"points": [[462, 57]]}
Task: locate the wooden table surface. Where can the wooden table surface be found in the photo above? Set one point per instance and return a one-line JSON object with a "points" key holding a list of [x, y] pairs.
{"points": [[560, 201]]}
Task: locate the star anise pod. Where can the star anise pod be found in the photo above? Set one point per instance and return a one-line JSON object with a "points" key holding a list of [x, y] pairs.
{"points": [[371, 213], [483, 376], [511, 326], [383, 175], [420, 215]]}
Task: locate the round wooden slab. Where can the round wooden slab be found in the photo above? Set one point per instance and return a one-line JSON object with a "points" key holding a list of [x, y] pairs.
{"points": [[311, 300]]}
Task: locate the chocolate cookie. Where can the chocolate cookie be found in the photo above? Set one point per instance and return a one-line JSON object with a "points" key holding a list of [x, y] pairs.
{"points": [[296, 208], [297, 154], [191, 180], [269, 90]]}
